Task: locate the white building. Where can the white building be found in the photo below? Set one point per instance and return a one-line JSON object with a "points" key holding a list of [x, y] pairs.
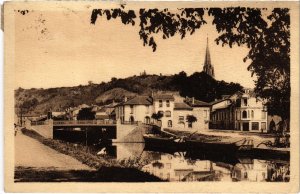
{"points": [[173, 108], [250, 114], [164, 103], [137, 109], [240, 111]]}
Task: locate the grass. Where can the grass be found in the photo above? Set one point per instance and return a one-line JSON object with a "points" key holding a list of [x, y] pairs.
{"points": [[104, 174]]}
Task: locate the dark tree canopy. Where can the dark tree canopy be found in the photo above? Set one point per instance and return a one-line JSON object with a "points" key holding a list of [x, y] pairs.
{"points": [[86, 114], [157, 115], [267, 37], [191, 118]]}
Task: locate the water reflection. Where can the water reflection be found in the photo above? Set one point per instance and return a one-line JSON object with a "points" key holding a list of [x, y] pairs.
{"points": [[184, 166]]}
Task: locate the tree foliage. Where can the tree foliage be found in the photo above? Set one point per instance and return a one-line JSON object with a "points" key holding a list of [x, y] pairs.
{"points": [[157, 115], [267, 37], [86, 114], [191, 118]]}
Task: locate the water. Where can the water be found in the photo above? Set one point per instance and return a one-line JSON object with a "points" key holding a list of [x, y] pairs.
{"points": [[187, 166]]}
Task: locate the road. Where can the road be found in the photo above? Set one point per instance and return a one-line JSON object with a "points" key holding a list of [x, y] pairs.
{"points": [[31, 153]]}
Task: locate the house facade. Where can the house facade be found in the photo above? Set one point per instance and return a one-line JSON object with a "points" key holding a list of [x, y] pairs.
{"points": [[250, 114], [164, 103], [241, 111], [173, 108], [137, 109]]}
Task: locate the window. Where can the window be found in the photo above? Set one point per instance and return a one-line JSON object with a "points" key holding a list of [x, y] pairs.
{"points": [[168, 103], [254, 125], [263, 126], [252, 114], [205, 113], [161, 112], [160, 103], [169, 123], [168, 113], [131, 109], [263, 114], [181, 119], [244, 114], [245, 101]]}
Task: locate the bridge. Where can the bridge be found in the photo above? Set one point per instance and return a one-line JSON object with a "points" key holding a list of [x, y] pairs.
{"points": [[85, 123], [96, 128]]}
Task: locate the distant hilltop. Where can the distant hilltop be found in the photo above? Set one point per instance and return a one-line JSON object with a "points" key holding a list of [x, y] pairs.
{"points": [[199, 85]]}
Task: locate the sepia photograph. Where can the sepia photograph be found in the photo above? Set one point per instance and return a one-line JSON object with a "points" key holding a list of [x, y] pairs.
{"points": [[171, 93]]}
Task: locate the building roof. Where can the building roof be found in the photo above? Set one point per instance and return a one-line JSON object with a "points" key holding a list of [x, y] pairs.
{"points": [[163, 97], [182, 106], [139, 100], [217, 101], [197, 103]]}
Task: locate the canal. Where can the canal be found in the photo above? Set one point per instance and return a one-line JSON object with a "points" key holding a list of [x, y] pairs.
{"points": [[186, 166]]}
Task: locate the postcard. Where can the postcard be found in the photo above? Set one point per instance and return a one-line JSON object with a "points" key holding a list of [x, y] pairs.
{"points": [[129, 96]]}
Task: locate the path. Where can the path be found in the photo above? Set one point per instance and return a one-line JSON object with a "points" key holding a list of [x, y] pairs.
{"points": [[31, 153]]}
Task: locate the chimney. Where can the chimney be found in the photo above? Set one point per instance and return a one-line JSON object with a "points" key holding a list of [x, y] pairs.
{"points": [[152, 94], [125, 98], [193, 100]]}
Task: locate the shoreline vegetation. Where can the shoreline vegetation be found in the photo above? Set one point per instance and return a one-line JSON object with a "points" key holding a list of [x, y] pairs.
{"points": [[106, 169]]}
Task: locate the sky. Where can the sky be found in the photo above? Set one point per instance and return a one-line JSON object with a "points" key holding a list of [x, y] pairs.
{"points": [[71, 51]]}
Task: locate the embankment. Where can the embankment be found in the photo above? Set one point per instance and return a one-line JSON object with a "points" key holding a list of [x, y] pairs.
{"points": [[101, 163]]}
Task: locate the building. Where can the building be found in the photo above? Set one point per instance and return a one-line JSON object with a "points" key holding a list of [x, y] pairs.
{"points": [[201, 110], [136, 109], [250, 113], [241, 111], [207, 66], [164, 103], [181, 111], [173, 108], [222, 114]]}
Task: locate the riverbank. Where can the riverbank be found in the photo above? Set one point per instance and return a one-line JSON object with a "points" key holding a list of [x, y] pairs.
{"points": [[101, 168]]}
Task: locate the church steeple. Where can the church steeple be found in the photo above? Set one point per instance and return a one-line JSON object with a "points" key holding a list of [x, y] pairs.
{"points": [[207, 67]]}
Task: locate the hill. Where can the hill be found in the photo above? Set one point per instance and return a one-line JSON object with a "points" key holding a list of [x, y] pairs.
{"points": [[116, 94], [199, 85]]}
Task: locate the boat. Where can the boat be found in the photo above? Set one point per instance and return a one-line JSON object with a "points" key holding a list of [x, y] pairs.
{"points": [[228, 147], [159, 141]]}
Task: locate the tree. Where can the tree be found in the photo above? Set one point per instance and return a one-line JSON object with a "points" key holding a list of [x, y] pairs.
{"points": [[191, 119], [268, 40], [86, 114], [157, 115]]}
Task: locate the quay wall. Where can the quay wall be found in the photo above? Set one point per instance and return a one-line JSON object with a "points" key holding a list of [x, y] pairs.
{"points": [[131, 133], [44, 130]]}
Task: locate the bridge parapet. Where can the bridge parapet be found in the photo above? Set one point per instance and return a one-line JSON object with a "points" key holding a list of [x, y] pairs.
{"points": [[85, 123]]}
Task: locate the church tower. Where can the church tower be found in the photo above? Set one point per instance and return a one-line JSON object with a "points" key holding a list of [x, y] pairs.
{"points": [[207, 67]]}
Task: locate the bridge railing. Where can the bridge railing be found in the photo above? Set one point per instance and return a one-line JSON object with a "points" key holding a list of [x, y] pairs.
{"points": [[34, 123], [85, 122]]}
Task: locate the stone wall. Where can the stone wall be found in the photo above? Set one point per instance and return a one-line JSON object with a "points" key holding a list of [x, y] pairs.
{"points": [[44, 130], [131, 133]]}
